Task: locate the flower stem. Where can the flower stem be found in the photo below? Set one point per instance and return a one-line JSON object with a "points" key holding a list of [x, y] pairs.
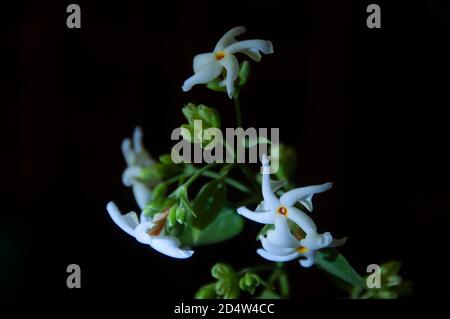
{"points": [[230, 181], [198, 173]]}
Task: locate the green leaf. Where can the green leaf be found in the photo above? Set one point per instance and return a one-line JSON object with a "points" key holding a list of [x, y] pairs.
{"points": [[209, 202], [227, 225], [331, 261]]}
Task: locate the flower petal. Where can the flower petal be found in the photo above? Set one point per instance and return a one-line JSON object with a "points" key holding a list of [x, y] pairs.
{"points": [[252, 54], [141, 232], [130, 174], [200, 60], [126, 222], [142, 194], [304, 195], [229, 38], [274, 249], [137, 140], [314, 241], [170, 246], [262, 207], [270, 199], [231, 64], [128, 152], [263, 217], [307, 260], [264, 254], [302, 220], [206, 74], [281, 234], [264, 46]]}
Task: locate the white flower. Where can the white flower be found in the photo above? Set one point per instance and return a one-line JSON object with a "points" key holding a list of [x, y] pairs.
{"points": [[136, 157], [208, 66], [281, 245], [149, 231], [269, 211]]}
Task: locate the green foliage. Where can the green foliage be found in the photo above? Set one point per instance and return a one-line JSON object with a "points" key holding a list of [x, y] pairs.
{"points": [[331, 261], [210, 200], [225, 226], [392, 284]]}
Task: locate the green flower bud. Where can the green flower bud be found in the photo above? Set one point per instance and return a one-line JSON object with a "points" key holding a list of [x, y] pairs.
{"points": [[172, 216], [222, 271], [190, 113], [158, 205], [249, 282], [227, 288], [206, 292], [181, 215], [209, 115]]}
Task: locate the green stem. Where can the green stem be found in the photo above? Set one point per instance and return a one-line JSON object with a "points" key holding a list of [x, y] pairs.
{"points": [[177, 178], [230, 181], [198, 173], [283, 281]]}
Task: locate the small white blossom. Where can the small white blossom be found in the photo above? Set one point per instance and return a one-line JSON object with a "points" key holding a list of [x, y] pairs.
{"points": [[279, 244], [208, 66], [137, 158], [149, 231], [274, 210]]}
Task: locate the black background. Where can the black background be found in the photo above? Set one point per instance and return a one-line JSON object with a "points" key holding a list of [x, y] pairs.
{"points": [[366, 109]]}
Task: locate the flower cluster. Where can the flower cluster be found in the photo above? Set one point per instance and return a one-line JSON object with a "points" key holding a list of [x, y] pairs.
{"points": [[171, 219]]}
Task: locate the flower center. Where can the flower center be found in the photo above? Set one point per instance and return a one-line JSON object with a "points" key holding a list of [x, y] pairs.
{"points": [[220, 55], [302, 250], [283, 211]]}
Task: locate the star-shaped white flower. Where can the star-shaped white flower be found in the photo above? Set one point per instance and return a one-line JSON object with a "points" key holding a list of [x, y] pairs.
{"points": [[136, 157], [208, 66], [272, 208], [149, 231], [279, 244]]}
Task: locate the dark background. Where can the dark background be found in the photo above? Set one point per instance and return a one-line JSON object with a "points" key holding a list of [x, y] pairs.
{"points": [[366, 109]]}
